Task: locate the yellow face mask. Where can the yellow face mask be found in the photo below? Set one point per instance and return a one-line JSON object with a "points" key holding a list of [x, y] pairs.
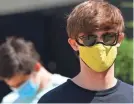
{"points": [[98, 57]]}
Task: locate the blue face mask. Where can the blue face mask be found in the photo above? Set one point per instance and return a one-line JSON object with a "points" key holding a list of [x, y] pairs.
{"points": [[27, 89]]}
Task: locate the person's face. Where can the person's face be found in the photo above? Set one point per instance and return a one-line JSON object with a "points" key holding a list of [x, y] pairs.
{"points": [[109, 38], [16, 81]]}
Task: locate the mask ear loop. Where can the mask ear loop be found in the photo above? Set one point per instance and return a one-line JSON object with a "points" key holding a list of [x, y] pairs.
{"points": [[77, 53]]}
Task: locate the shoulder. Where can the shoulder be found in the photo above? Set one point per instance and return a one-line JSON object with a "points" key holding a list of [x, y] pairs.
{"points": [[125, 88], [56, 94], [126, 85], [58, 79], [11, 97], [55, 81]]}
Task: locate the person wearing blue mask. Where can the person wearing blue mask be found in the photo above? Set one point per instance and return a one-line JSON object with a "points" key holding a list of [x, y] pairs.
{"points": [[21, 69]]}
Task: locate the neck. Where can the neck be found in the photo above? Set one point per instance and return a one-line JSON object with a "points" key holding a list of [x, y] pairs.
{"points": [[45, 78], [92, 80]]}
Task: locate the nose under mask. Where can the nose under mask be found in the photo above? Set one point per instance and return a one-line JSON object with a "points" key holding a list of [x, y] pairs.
{"points": [[28, 88], [98, 57]]}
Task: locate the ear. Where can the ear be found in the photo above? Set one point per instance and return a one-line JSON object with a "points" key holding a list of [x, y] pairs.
{"points": [[73, 44], [37, 67], [120, 39]]}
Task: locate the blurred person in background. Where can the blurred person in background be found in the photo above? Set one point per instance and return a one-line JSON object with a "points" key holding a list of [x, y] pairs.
{"points": [[21, 69], [95, 29]]}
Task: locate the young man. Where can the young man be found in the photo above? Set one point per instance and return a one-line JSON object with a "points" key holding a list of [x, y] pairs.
{"points": [[21, 69], [95, 29]]}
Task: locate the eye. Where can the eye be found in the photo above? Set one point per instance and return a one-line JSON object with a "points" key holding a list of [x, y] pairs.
{"points": [[90, 40], [109, 38]]}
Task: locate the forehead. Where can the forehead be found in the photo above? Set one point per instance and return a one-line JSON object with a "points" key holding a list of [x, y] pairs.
{"points": [[100, 32]]}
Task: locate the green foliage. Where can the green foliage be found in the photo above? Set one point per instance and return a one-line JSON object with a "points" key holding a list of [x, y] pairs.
{"points": [[129, 24], [124, 62]]}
